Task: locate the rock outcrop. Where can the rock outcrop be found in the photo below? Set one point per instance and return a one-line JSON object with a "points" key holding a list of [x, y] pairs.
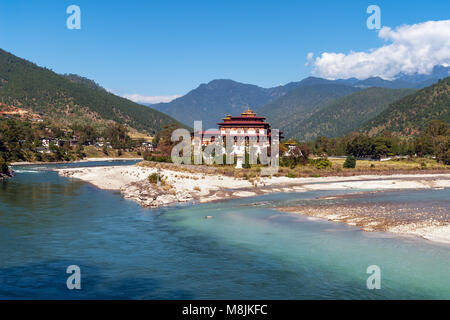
{"points": [[151, 196], [8, 174]]}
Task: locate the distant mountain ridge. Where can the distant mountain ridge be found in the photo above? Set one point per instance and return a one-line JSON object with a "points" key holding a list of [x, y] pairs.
{"points": [[212, 101], [402, 81]]}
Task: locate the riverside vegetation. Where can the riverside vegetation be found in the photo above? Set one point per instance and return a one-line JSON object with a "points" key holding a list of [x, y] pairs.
{"points": [[429, 150], [24, 141]]}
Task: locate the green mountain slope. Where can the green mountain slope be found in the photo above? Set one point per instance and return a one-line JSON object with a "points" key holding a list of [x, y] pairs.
{"points": [[212, 101], [412, 113], [79, 79], [346, 114], [69, 99], [287, 112]]}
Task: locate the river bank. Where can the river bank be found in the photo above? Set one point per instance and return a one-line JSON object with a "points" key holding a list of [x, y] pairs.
{"points": [[426, 220], [184, 185]]}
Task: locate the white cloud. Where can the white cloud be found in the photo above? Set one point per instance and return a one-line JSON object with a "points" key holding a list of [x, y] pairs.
{"points": [[412, 48], [309, 59], [150, 99]]}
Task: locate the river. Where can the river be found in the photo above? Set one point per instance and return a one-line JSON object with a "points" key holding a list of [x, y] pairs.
{"points": [[247, 250]]}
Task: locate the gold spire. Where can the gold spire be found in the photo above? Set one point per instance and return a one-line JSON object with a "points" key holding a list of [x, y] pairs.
{"points": [[248, 113]]}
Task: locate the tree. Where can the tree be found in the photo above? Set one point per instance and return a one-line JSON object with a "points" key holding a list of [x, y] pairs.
{"points": [[297, 155], [3, 167], [350, 162], [435, 140], [423, 145], [360, 146], [117, 134], [382, 146], [164, 141], [442, 149], [79, 151], [11, 136], [446, 157], [246, 164], [437, 128]]}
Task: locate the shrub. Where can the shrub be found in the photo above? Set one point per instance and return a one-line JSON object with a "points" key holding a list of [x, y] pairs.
{"points": [[320, 163], [299, 155], [287, 162], [350, 162], [149, 157], [155, 177], [246, 162], [290, 175], [3, 166], [446, 158]]}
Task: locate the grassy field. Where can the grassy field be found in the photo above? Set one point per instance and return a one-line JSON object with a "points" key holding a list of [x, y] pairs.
{"points": [[135, 135], [93, 152], [400, 166]]}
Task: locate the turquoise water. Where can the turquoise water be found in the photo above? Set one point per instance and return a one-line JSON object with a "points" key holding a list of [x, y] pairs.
{"points": [[248, 250]]}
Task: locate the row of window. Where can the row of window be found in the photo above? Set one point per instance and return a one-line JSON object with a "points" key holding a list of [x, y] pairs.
{"points": [[213, 138], [239, 130]]}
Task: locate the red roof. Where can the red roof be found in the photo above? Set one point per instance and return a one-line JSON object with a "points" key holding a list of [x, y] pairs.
{"points": [[242, 122]]}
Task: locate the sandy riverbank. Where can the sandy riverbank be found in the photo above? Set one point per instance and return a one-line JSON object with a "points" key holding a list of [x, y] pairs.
{"points": [[181, 186], [429, 220]]}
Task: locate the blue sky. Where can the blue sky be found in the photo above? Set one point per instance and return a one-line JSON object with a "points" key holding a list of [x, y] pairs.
{"points": [[169, 47]]}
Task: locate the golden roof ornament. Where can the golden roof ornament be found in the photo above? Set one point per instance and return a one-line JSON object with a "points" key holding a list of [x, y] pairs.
{"points": [[248, 113]]}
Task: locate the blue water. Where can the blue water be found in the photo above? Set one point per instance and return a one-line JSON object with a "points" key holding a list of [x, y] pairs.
{"points": [[248, 250]]}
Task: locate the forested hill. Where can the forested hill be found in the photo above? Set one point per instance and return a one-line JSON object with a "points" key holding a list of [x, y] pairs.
{"points": [[411, 114], [68, 99], [287, 112], [346, 114]]}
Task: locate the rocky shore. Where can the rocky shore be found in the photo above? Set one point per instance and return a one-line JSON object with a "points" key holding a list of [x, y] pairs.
{"points": [[430, 220], [149, 195]]}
